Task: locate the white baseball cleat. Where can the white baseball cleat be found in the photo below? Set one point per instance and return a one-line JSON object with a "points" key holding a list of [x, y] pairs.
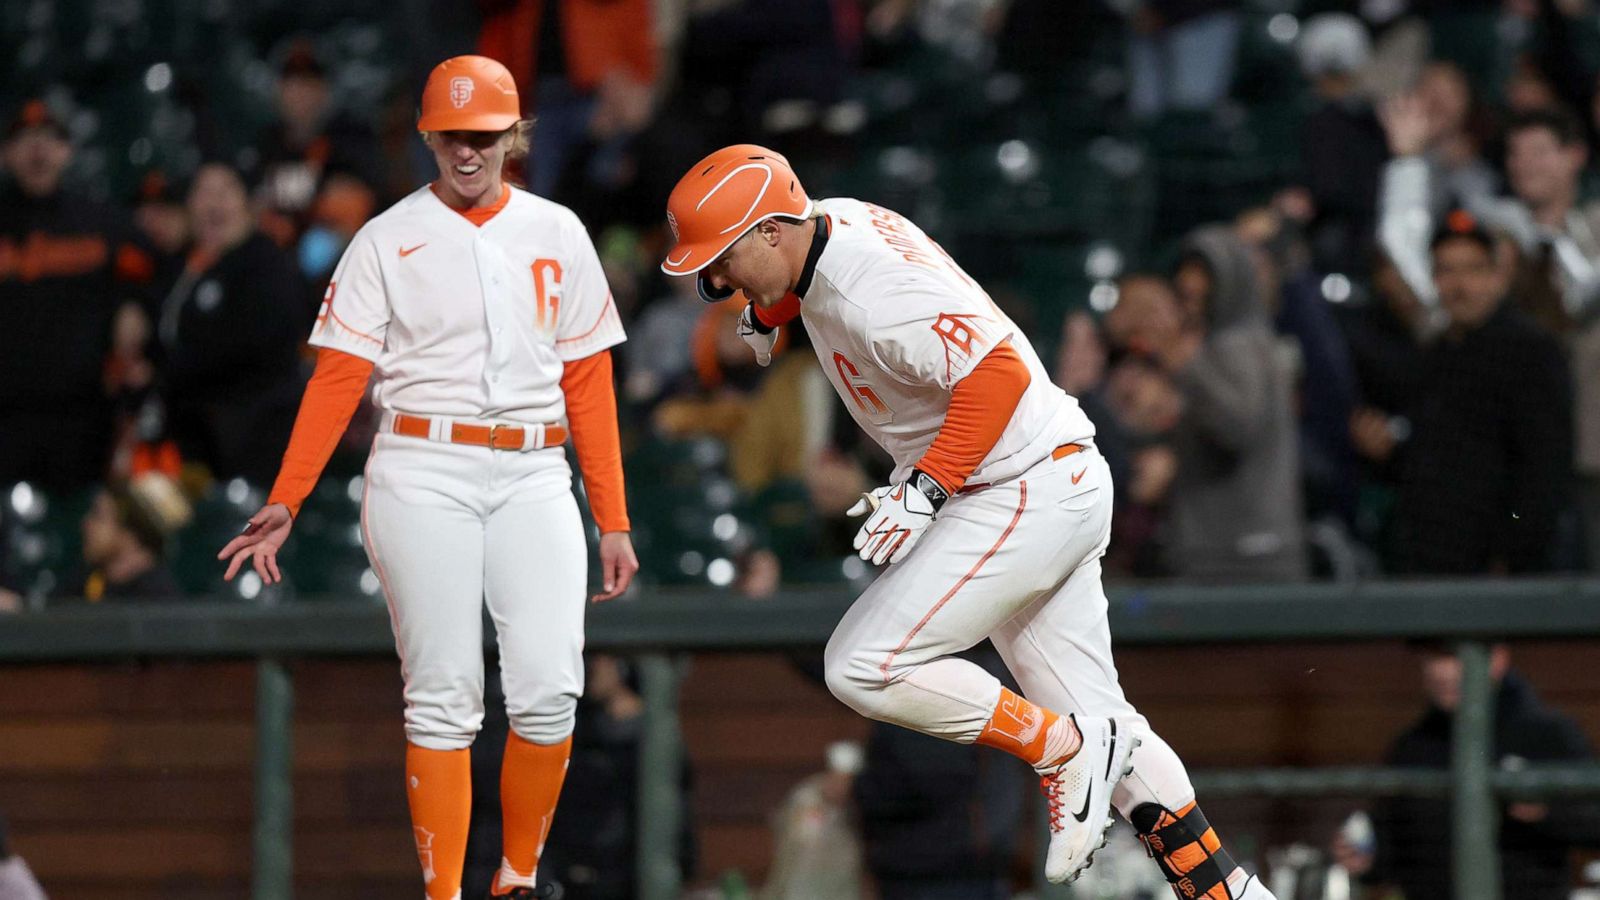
{"points": [[1079, 795]]}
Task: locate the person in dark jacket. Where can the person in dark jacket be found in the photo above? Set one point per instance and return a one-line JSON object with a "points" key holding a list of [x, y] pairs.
{"points": [[939, 820], [1342, 144], [1485, 474], [1386, 340], [310, 141], [1411, 848], [68, 278], [230, 333]]}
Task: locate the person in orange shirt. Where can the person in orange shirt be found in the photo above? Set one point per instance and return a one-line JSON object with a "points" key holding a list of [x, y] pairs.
{"points": [[485, 315]]}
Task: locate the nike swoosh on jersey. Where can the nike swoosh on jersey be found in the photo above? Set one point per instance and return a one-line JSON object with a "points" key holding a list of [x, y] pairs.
{"points": [[405, 251], [1079, 477]]}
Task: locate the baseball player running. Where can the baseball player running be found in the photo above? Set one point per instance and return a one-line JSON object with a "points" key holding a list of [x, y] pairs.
{"points": [[486, 317], [996, 519]]}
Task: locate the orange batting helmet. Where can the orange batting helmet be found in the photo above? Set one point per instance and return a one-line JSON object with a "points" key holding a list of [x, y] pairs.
{"points": [[724, 196], [469, 93]]}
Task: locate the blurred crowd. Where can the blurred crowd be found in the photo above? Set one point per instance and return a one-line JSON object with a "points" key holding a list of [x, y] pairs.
{"points": [[1384, 361]]}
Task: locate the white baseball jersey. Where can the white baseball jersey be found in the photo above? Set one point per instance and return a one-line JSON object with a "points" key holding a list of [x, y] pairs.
{"points": [[468, 321], [896, 324]]}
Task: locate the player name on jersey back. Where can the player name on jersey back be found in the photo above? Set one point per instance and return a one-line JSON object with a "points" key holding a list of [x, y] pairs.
{"points": [[896, 323]]}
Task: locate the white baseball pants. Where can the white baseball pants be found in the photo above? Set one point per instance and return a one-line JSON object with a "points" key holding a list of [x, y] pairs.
{"points": [[448, 527], [1018, 563]]}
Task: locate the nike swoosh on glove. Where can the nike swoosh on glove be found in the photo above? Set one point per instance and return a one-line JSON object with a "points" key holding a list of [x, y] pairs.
{"points": [[896, 517], [760, 341]]}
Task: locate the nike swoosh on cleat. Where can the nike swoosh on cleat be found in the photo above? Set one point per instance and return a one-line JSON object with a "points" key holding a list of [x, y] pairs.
{"points": [[1083, 814]]}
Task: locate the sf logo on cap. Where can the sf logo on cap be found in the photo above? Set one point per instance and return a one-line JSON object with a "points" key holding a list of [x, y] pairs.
{"points": [[460, 90]]}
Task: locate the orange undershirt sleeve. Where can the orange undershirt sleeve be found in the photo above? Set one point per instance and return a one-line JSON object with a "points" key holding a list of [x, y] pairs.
{"points": [[981, 406], [781, 313], [330, 400], [592, 415]]}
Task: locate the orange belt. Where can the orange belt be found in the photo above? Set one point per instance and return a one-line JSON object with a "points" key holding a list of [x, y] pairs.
{"points": [[1061, 452], [495, 437], [1066, 450]]}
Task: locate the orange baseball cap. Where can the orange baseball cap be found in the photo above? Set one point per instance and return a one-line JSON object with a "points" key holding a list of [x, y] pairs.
{"points": [[469, 93], [725, 195]]}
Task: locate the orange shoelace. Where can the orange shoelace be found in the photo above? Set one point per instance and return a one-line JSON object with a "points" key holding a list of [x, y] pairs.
{"points": [[1051, 786]]}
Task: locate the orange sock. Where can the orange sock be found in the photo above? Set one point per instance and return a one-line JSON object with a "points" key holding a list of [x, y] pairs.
{"points": [[439, 789], [1030, 732], [530, 784]]}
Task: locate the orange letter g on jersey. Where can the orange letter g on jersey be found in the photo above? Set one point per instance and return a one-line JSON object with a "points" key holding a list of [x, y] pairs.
{"points": [[546, 294], [858, 388]]}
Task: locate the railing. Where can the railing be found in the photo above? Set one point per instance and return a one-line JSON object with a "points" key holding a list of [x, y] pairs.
{"points": [[662, 625]]}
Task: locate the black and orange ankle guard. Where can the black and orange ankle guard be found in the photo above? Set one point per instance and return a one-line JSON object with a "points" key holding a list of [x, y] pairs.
{"points": [[1188, 850]]}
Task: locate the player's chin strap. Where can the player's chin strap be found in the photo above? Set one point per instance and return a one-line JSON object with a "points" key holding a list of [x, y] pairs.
{"points": [[1187, 849]]}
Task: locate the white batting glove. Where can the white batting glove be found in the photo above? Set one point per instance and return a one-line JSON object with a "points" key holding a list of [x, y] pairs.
{"points": [[896, 517], [760, 341]]}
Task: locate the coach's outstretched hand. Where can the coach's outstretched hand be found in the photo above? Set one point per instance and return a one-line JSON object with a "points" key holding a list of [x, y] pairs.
{"points": [[259, 543], [617, 565]]}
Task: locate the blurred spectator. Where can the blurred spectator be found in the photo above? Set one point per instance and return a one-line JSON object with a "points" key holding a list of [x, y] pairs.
{"points": [[1386, 339], [1459, 175], [230, 332], [1234, 503], [1485, 473], [162, 219], [939, 820], [659, 354], [783, 60], [1137, 409], [16, 880], [1145, 405], [1082, 366], [125, 538], [1342, 143], [1557, 279], [594, 63], [1536, 839], [68, 333], [1324, 387], [1181, 55], [818, 854], [1528, 89], [714, 403], [309, 143]]}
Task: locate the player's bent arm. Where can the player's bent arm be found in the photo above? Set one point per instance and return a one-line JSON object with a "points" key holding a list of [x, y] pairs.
{"points": [[981, 405], [330, 400]]}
